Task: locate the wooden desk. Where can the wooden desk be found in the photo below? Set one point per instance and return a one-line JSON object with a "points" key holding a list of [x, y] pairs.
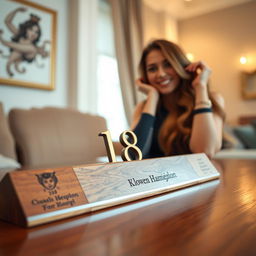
{"points": [[214, 218]]}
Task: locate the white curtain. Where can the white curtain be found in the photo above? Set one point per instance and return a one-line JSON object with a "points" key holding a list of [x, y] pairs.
{"points": [[82, 94], [127, 20]]}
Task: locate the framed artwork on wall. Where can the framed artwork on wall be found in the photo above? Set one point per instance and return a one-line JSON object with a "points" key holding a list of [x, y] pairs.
{"points": [[249, 85], [27, 44]]}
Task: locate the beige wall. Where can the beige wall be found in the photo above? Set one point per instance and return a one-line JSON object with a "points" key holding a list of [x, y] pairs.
{"points": [[220, 38], [153, 24], [158, 24]]}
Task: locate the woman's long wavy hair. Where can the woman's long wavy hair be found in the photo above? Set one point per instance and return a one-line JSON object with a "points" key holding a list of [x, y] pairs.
{"points": [[175, 132]]}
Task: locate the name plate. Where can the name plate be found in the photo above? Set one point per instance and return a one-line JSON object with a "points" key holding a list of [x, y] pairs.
{"points": [[34, 197]]}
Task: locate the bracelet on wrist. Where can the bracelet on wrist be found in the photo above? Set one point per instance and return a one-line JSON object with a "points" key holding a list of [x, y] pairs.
{"points": [[206, 103], [201, 111]]}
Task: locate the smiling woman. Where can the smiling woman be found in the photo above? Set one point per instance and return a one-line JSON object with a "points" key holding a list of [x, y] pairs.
{"points": [[180, 114]]}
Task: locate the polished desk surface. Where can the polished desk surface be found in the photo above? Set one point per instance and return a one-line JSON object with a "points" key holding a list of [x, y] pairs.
{"points": [[213, 218]]}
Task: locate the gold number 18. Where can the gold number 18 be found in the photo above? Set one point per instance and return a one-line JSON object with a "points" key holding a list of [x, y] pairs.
{"points": [[128, 146]]}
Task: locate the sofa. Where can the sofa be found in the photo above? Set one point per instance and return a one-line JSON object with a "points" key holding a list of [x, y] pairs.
{"points": [[239, 140], [50, 137]]}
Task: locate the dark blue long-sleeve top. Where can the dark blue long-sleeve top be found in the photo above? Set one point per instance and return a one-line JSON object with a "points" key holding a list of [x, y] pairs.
{"points": [[147, 131]]}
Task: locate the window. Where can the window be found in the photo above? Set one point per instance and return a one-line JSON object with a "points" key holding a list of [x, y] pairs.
{"points": [[109, 98]]}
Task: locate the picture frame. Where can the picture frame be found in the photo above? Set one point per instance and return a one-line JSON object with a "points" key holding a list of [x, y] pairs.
{"points": [[248, 81], [27, 44]]}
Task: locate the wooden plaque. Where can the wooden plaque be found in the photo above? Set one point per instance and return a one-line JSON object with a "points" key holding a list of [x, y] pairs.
{"points": [[34, 197]]}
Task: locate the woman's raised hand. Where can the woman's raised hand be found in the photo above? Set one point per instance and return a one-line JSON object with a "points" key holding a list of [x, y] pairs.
{"points": [[145, 88], [149, 105], [202, 73]]}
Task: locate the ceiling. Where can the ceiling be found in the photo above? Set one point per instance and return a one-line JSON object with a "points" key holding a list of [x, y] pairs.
{"points": [[182, 9]]}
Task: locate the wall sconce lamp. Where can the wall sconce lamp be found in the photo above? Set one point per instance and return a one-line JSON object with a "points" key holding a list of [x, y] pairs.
{"points": [[243, 60], [248, 62]]}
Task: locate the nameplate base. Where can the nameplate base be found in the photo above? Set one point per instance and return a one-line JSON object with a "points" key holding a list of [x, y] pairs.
{"points": [[33, 197]]}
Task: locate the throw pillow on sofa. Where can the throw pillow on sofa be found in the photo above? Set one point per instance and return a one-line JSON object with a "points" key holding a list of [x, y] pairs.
{"points": [[6, 162], [230, 140], [6, 165], [247, 134]]}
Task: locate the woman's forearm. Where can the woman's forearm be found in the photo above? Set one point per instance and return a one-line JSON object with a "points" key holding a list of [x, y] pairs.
{"points": [[206, 136], [206, 133], [151, 103]]}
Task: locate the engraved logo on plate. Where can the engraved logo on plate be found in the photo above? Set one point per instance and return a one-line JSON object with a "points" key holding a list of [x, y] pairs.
{"points": [[48, 180], [57, 197]]}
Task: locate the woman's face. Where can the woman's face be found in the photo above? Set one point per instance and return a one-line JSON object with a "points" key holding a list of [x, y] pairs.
{"points": [[32, 33], [160, 73]]}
